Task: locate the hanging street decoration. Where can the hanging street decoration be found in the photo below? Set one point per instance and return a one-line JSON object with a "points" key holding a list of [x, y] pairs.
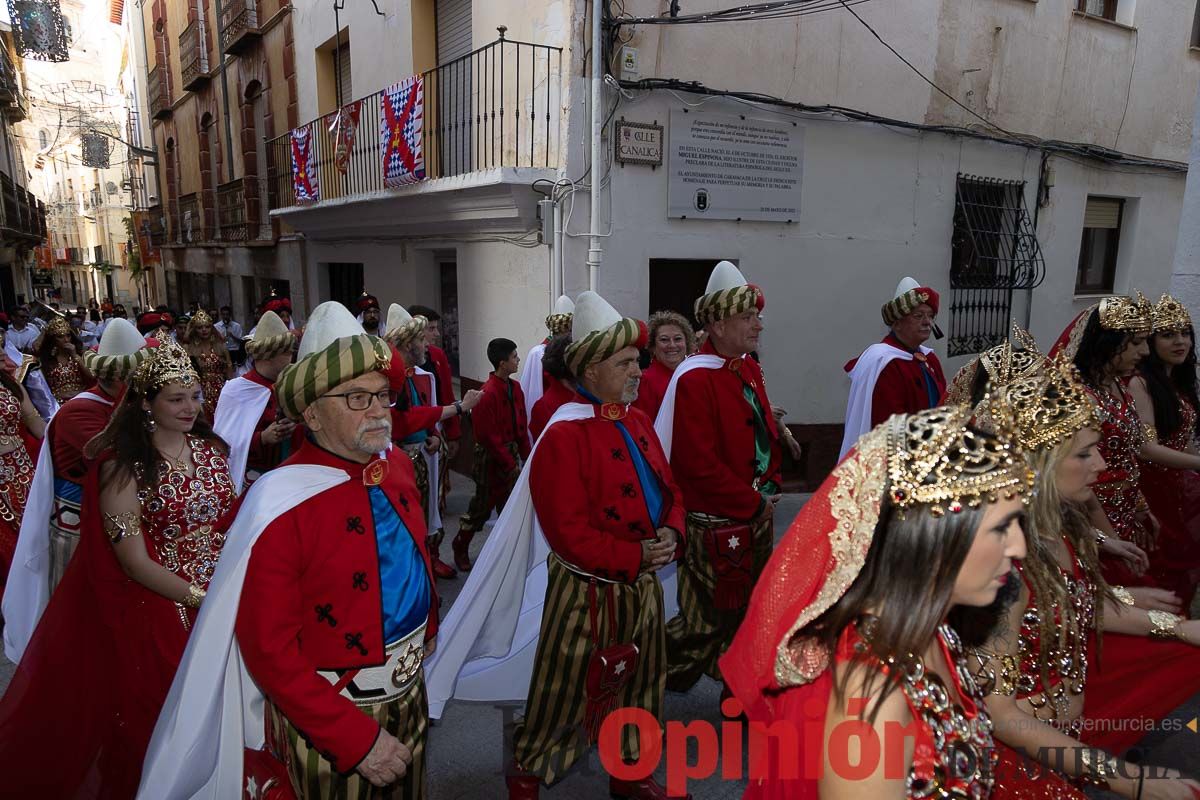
{"points": [[304, 167], [344, 128], [39, 28], [401, 128], [96, 149]]}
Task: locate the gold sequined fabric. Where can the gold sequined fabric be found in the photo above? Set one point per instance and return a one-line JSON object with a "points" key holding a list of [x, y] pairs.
{"points": [[16, 468], [180, 512], [65, 379], [1121, 436]]}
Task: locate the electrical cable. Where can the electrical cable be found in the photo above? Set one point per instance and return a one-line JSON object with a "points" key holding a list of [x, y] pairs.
{"points": [[781, 9]]}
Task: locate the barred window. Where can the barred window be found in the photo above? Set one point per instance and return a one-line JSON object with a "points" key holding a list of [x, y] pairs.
{"points": [[994, 253]]}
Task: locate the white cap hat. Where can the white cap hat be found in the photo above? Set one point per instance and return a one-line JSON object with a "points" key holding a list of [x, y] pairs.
{"points": [[329, 322]]}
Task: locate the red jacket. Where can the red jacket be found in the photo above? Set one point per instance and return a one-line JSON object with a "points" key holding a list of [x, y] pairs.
{"points": [[587, 496], [408, 419], [311, 585], [555, 395], [712, 444], [77, 421], [653, 388], [499, 420], [901, 387], [261, 456], [451, 426]]}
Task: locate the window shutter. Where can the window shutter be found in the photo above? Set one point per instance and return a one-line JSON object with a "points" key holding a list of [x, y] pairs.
{"points": [[453, 29], [1102, 212], [342, 55]]}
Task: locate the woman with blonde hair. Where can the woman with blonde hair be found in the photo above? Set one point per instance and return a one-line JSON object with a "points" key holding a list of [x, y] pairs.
{"points": [[211, 355], [671, 341]]}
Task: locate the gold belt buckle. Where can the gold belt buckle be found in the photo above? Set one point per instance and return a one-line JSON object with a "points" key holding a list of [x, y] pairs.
{"points": [[408, 664]]}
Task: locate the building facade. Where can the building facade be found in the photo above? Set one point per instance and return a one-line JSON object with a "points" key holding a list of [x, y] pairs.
{"points": [[1028, 157], [217, 81]]}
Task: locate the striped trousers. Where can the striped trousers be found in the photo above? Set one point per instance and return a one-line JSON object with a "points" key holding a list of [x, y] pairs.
{"points": [[701, 633], [313, 777], [489, 494], [551, 738]]}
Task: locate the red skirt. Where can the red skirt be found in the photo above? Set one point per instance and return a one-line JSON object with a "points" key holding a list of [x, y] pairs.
{"points": [[1134, 685], [1174, 497], [1021, 778]]}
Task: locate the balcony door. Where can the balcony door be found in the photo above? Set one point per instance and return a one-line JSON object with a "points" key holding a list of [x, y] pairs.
{"points": [[450, 91]]}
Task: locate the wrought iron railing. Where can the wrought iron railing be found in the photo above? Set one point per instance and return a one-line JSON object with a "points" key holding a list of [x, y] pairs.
{"points": [[499, 106], [239, 23], [193, 55], [159, 93], [189, 220], [20, 212], [994, 253], [231, 211], [8, 75]]}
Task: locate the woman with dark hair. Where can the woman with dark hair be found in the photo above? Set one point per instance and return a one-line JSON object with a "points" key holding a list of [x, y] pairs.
{"points": [[846, 628], [1106, 342], [60, 353], [671, 341], [211, 357], [18, 420], [560, 388], [1036, 663], [149, 542], [1164, 391]]}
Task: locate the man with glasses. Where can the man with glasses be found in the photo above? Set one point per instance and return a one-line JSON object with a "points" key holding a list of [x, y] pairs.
{"points": [[21, 334], [324, 595], [898, 375]]}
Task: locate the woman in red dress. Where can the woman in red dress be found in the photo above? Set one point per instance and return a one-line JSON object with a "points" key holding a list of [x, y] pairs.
{"points": [[1106, 342], [18, 420], [845, 637], [60, 354], [671, 341], [149, 543], [1037, 662], [212, 359], [1164, 391]]}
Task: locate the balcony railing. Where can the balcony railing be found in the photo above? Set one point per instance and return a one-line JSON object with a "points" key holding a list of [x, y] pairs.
{"points": [[12, 100], [160, 93], [239, 25], [154, 219], [193, 55], [498, 106], [21, 214], [189, 220], [231, 211]]}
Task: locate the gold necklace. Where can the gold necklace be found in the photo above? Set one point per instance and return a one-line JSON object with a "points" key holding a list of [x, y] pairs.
{"points": [[180, 464]]}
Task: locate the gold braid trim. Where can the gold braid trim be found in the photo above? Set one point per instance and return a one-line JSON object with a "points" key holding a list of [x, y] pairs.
{"points": [[120, 526]]}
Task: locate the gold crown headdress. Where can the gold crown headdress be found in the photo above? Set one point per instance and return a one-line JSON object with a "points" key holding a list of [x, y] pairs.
{"points": [[936, 458], [1129, 314], [201, 317], [1170, 315], [1004, 364], [168, 363], [58, 327], [1051, 407]]}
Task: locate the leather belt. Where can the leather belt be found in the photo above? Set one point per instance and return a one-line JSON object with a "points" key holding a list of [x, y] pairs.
{"points": [[373, 686]]}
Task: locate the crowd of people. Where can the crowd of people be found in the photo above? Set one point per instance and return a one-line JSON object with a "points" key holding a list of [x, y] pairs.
{"points": [[220, 551]]}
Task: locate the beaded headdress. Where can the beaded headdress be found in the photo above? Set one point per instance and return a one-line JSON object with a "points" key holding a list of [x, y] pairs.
{"points": [[201, 317], [1129, 314], [1051, 407], [168, 363], [1170, 315], [936, 458], [1005, 364], [58, 327]]}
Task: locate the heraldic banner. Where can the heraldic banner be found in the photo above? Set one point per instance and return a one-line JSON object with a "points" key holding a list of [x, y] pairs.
{"points": [[401, 129], [344, 127], [304, 166]]}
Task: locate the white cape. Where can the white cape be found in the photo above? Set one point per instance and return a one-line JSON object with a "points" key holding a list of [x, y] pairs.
{"points": [[28, 588], [664, 426], [239, 408], [214, 709], [488, 640], [531, 378], [433, 461], [862, 388]]}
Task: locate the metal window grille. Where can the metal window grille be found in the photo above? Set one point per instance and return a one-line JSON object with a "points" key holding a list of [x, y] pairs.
{"points": [[994, 253]]}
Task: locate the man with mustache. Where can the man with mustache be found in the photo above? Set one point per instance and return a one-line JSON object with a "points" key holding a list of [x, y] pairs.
{"points": [[717, 427], [898, 375], [326, 602]]}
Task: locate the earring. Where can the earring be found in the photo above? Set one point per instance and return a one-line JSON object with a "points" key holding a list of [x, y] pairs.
{"points": [[150, 423]]}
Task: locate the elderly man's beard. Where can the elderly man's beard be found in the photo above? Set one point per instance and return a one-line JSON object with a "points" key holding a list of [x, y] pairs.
{"points": [[373, 435], [630, 392]]}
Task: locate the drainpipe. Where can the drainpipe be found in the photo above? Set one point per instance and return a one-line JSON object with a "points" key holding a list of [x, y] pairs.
{"points": [[594, 251]]}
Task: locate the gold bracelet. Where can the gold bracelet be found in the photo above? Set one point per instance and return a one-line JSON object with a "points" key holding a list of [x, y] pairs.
{"points": [[1166, 624], [195, 596], [1099, 765], [120, 526], [1101, 538], [1123, 595]]}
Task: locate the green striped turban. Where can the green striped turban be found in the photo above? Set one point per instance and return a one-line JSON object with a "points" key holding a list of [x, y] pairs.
{"points": [[333, 350], [121, 351], [271, 338], [598, 332], [727, 295]]}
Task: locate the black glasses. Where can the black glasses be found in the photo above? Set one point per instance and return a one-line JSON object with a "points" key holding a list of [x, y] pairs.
{"points": [[361, 401]]}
